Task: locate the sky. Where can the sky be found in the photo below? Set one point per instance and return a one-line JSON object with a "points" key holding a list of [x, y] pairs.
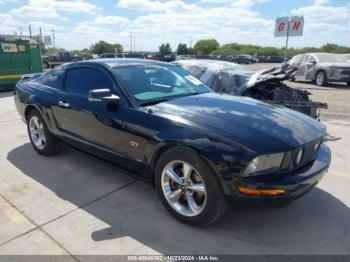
{"points": [[79, 23]]}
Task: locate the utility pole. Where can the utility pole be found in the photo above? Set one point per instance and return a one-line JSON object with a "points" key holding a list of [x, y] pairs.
{"points": [[286, 48], [20, 31], [53, 37], [131, 42], [30, 31], [41, 40]]}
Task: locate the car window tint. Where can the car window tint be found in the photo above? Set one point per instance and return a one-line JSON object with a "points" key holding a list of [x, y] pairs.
{"points": [[196, 70], [82, 80], [53, 78], [146, 83]]}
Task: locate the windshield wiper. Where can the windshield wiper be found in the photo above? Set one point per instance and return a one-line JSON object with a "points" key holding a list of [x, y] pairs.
{"points": [[154, 102], [195, 93]]}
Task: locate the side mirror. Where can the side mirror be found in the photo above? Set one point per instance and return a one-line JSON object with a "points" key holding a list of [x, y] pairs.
{"points": [[103, 95]]}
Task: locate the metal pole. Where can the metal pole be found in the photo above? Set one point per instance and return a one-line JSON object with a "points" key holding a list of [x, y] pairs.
{"points": [[53, 38], [130, 42], [30, 31], [286, 48], [41, 40]]}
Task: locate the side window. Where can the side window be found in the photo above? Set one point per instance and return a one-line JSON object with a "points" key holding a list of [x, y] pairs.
{"points": [[196, 70], [304, 59], [53, 78], [81, 80]]}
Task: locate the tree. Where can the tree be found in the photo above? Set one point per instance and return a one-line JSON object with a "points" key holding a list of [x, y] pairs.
{"points": [[165, 49], [104, 47], [182, 49], [206, 46]]}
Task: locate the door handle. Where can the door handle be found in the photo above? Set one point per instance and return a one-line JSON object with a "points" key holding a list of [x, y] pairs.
{"points": [[63, 104]]}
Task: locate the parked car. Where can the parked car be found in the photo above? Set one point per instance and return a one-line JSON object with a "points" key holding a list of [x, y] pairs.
{"points": [[134, 55], [85, 56], [157, 57], [321, 68], [182, 57], [112, 55], [244, 59], [265, 85], [262, 59], [52, 60], [159, 122], [274, 59]]}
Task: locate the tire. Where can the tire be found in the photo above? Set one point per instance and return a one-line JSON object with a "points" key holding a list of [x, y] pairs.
{"points": [[40, 137], [321, 78], [205, 189]]}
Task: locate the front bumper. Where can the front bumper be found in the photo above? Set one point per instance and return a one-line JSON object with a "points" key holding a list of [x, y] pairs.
{"points": [[294, 184]]}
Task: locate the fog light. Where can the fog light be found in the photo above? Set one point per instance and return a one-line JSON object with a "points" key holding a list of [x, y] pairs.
{"points": [[251, 191]]}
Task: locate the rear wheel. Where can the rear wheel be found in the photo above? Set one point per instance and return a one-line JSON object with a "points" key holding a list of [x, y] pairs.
{"points": [[40, 137], [321, 78], [188, 187]]}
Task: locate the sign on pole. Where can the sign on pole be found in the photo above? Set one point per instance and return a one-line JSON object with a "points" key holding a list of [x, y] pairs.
{"points": [[286, 27], [281, 26], [296, 26]]}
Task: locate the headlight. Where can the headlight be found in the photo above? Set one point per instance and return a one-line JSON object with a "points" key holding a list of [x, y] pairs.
{"points": [[270, 162]]}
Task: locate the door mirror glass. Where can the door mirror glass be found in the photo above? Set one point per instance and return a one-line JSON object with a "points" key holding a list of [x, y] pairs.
{"points": [[103, 95]]}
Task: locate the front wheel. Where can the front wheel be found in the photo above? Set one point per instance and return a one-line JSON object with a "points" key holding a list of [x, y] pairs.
{"points": [[188, 187], [321, 79], [40, 137]]}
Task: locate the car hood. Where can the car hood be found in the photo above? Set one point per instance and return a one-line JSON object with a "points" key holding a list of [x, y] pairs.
{"points": [[255, 125], [273, 74]]}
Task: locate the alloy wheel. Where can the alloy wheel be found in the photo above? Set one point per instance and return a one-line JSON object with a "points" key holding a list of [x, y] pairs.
{"points": [[320, 79], [37, 133], [184, 188]]}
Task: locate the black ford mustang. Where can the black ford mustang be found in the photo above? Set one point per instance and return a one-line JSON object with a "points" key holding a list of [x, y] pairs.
{"points": [[157, 121]]}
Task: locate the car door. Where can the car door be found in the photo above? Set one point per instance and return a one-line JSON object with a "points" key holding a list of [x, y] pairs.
{"points": [[90, 124], [310, 68], [301, 63]]}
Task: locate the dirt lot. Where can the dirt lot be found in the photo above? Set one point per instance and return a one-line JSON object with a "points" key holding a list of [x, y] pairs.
{"points": [[73, 205], [337, 95]]}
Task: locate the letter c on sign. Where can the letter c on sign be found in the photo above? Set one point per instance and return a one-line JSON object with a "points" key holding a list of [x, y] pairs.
{"points": [[281, 27]]}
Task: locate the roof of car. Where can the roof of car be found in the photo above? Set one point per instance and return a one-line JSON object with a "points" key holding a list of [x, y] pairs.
{"points": [[118, 62]]}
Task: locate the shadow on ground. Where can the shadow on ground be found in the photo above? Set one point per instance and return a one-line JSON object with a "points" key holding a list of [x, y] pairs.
{"points": [[318, 223]]}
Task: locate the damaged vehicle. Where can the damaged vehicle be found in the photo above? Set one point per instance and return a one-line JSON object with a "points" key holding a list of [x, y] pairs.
{"points": [[159, 123], [321, 68], [265, 85]]}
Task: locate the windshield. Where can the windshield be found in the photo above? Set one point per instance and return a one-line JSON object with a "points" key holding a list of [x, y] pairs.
{"points": [[157, 83], [332, 58]]}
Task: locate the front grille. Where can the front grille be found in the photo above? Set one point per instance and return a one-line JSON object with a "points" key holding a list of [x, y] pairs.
{"points": [[309, 154]]}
